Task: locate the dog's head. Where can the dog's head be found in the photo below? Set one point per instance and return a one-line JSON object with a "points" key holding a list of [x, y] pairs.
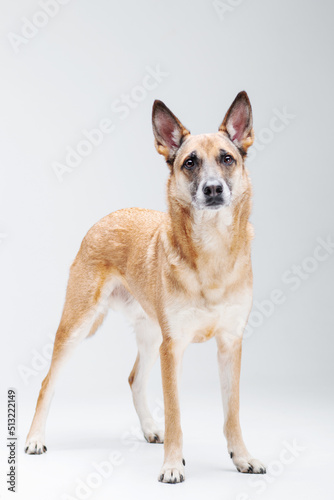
{"points": [[207, 170]]}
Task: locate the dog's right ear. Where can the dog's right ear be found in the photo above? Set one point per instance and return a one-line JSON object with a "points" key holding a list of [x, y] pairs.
{"points": [[168, 131]]}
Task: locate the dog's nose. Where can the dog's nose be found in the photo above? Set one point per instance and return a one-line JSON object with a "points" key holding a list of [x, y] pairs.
{"points": [[212, 189]]}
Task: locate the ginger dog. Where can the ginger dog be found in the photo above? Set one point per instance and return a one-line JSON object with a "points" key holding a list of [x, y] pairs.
{"points": [[182, 276]]}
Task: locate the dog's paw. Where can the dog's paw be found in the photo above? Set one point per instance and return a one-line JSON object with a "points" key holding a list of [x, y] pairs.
{"points": [[172, 473], [153, 434], [248, 465], [35, 446]]}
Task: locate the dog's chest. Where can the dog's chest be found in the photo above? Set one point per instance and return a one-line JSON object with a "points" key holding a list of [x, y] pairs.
{"points": [[212, 304], [195, 321]]}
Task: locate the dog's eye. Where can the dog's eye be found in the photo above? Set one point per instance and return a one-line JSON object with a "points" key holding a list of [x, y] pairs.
{"points": [[227, 160], [189, 164]]}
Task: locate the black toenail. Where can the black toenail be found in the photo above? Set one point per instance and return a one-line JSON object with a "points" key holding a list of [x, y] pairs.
{"points": [[250, 468], [174, 480], [231, 454], [238, 469], [45, 448], [161, 478], [183, 461], [181, 478], [26, 449]]}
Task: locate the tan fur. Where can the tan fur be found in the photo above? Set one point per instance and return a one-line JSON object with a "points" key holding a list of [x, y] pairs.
{"points": [[132, 375], [173, 439], [187, 271]]}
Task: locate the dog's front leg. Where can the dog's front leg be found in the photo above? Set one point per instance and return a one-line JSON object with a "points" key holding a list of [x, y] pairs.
{"points": [[171, 352], [229, 361]]}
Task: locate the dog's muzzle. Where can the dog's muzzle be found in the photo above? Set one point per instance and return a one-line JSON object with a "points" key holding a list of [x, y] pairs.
{"points": [[213, 194]]}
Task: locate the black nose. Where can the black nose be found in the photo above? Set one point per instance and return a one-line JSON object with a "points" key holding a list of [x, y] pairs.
{"points": [[212, 190]]}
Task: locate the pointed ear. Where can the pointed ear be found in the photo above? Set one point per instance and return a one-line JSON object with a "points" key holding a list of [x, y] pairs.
{"points": [[238, 122], [168, 130]]}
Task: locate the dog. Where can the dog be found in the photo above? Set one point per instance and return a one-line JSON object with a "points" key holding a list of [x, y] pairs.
{"points": [[182, 276]]}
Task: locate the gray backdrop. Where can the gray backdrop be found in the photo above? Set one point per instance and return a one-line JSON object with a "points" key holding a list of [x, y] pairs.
{"points": [[73, 67]]}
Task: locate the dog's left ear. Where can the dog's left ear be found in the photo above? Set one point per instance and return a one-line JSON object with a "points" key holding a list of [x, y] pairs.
{"points": [[238, 122], [168, 130]]}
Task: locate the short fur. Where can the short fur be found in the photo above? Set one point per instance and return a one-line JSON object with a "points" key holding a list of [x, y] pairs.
{"points": [[182, 276]]}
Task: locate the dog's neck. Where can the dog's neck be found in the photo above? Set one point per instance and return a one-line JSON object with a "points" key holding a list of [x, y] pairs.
{"points": [[211, 232]]}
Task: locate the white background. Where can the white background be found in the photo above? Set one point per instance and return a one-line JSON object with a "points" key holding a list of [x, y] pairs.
{"points": [[65, 79]]}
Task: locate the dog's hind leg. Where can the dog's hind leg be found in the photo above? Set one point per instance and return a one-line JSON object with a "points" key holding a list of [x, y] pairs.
{"points": [[84, 310], [148, 340]]}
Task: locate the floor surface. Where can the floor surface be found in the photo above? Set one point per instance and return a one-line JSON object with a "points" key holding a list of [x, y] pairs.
{"points": [[96, 451]]}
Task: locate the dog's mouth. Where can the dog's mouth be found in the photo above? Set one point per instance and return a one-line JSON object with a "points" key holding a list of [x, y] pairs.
{"points": [[215, 203]]}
